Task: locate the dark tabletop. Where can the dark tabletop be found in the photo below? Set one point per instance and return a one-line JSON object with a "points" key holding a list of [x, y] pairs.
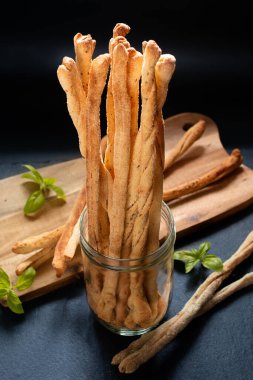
{"points": [[58, 338]]}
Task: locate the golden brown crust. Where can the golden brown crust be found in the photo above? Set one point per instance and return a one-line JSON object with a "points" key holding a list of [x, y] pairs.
{"points": [[35, 260], [70, 81], [59, 261], [44, 240], [121, 29], [188, 139], [223, 169], [121, 169]]}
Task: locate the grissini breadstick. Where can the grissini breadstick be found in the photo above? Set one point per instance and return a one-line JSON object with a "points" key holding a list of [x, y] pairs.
{"points": [[121, 29], [109, 99], [164, 70], [224, 168], [134, 68], [144, 348], [73, 242], [97, 80], [84, 47], [192, 135], [137, 302], [121, 168], [60, 261], [70, 81], [224, 293], [35, 260], [44, 240]]}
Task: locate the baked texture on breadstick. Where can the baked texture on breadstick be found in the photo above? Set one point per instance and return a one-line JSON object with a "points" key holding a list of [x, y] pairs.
{"points": [[60, 261], [44, 240], [97, 80], [164, 70], [121, 168], [223, 169], [188, 139], [70, 81], [134, 68], [139, 309], [35, 260], [84, 47], [110, 103], [121, 29]]}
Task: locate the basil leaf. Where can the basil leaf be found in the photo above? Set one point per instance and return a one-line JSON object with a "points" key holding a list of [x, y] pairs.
{"points": [[25, 280], [59, 192], [212, 262], [30, 176], [14, 303], [184, 255], [4, 280], [203, 249], [3, 292], [35, 172], [49, 181], [189, 265], [34, 202]]}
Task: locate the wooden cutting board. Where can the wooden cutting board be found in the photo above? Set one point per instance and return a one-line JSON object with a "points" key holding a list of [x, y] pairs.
{"points": [[217, 201]]}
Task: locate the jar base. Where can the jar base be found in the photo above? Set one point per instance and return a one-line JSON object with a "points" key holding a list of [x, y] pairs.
{"points": [[124, 331]]}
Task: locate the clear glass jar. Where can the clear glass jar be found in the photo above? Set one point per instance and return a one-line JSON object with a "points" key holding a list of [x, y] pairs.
{"points": [[138, 290]]}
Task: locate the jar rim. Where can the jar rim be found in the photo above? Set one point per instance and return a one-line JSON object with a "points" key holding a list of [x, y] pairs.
{"points": [[170, 239]]}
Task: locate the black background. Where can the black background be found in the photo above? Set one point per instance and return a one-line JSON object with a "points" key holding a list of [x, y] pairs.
{"points": [[212, 45]]}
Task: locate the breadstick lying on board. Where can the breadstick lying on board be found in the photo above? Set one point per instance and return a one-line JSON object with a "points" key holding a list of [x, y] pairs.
{"points": [[60, 261], [44, 240], [221, 170], [188, 139], [35, 260]]}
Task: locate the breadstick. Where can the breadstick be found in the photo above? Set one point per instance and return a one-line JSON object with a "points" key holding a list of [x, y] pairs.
{"points": [[192, 135], [119, 38], [144, 348], [134, 68], [97, 79], [44, 240], [35, 260], [164, 70], [121, 29], [70, 81], [223, 169], [73, 241], [84, 47], [59, 261], [121, 168], [139, 309], [224, 293]]}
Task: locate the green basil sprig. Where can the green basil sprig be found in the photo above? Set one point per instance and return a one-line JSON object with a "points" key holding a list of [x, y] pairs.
{"points": [[7, 292], [194, 256], [37, 199]]}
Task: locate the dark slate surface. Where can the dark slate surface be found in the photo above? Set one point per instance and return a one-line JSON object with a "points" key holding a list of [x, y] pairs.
{"points": [[58, 339]]}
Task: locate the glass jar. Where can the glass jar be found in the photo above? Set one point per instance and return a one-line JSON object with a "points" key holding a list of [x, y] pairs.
{"points": [[138, 290]]}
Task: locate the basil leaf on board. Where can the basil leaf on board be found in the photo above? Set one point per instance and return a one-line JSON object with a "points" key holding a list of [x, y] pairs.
{"points": [[35, 173], [49, 181], [212, 262], [4, 280], [189, 265], [25, 280], [34, 202], [14, 303], [58, 190]]}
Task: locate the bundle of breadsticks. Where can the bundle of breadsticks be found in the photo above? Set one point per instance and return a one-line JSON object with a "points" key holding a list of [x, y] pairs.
{"points": [[124, 173]]}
